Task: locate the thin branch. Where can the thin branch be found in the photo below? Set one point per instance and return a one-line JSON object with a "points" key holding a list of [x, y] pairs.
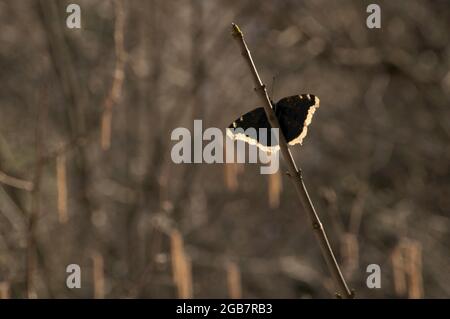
{"points": [[233, 280], [61, 182], [98, 275], [181, 266], [119, 75], [61, 57], [35, 211], [5, 290], [16, 182], [294, 172]]}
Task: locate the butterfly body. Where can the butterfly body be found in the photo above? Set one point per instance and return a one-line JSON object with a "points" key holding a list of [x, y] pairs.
{"points": [[294, 114]]}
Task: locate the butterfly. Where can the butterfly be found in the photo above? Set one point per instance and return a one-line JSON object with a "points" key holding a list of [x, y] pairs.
{"points": [[294, 114]]}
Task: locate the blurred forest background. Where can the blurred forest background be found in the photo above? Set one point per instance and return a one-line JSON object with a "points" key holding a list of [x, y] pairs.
{"points": [[85, 170]]}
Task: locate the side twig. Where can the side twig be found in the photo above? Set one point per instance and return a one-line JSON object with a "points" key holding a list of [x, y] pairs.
{"points": [[294, 172], [15, 182]]}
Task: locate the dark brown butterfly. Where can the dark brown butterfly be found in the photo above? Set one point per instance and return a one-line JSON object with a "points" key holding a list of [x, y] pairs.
{"points": [[294, 114]]}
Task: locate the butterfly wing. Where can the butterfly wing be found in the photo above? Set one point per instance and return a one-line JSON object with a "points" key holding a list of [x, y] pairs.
{"points": [[295, 114], [254, 119]]}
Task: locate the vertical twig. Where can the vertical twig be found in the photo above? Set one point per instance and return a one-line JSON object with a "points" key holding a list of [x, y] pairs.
{"points": [[61, 57], [275, 187], [31, 259], [233, 280], [5, 290], [99, 276], [407, 269], [398, 269], [294, 172], [349, 253], [61, 185], [181, 266], [118, 77], [231, 173], [188, 291], [414, 264]]}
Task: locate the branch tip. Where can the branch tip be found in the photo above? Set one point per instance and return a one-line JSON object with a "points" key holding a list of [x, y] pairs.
{"points": [[236, 32]]}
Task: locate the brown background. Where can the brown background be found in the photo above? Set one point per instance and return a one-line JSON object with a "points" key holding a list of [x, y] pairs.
{"points": [[376, 159]]}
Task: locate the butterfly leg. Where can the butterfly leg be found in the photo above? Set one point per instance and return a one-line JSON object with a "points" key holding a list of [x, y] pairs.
{"points": [[299, 173]]}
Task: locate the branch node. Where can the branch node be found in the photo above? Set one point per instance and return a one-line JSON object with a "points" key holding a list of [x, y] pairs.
{"points": [[298, 174]]}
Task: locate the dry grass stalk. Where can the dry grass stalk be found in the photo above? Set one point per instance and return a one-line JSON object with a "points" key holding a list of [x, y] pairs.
{"points": [[233, 280], [232, 171], [413, 250], [98, 276], [275, 188], [407, 269], [350, 253], [186, 275], [398, 268], [231, 181], [5, 290], [61, 181], [176, 251], [181, 266], [118, 77], [231, 174]]}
